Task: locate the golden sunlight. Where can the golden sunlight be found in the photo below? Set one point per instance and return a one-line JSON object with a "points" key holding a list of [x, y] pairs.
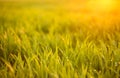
{"points": [[102, 5]]}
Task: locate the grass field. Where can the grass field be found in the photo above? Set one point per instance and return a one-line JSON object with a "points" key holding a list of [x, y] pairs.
{"points": [[44, 40]]}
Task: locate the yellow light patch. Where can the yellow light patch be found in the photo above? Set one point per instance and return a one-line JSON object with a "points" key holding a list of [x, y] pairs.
{"points": [[102, 5]]}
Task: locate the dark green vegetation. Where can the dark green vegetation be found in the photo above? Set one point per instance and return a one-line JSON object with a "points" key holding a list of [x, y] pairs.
{"points": [[38, 42]]}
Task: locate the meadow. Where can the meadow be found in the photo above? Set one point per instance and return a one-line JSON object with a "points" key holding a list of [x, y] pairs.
{"points": [[44, 40]]}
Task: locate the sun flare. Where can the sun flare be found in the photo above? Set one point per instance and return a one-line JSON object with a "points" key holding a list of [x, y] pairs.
{"points": [[102, 5]]}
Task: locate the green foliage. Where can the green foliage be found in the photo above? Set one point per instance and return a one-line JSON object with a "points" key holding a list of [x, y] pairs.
{"points": [[47, 44]]}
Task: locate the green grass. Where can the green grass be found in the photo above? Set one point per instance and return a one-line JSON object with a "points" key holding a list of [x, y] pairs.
{"points": [[39, 42]]}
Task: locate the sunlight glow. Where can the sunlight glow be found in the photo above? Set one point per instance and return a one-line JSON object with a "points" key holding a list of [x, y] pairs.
{"points": [[102, 5]]}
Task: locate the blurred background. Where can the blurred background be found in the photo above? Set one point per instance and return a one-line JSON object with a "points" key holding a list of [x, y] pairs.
{"points": [[84, 10]]}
